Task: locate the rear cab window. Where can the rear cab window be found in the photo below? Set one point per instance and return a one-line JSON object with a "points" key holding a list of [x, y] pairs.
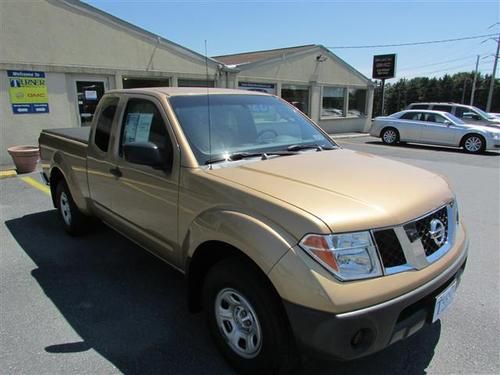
{"points": [[104, 123]]}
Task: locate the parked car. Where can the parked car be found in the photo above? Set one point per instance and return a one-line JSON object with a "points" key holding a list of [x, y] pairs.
{"points": [[288, 242], [437, 128], [467, 113]]}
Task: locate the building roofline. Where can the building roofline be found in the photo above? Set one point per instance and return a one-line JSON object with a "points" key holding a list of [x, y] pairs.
{"points": [[264, 51], [102, 15]]}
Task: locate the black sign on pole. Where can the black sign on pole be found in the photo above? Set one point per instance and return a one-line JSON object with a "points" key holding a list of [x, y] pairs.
{"points": [[384, 66]]}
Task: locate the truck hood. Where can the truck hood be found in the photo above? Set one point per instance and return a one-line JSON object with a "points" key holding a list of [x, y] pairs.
{"points": [[347, 190]]}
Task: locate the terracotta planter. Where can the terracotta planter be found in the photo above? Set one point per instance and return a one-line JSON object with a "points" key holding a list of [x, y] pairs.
{"points": [[25, 157]]}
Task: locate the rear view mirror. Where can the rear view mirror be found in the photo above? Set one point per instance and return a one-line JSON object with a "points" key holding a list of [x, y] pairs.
{"points": [[144, 153]]}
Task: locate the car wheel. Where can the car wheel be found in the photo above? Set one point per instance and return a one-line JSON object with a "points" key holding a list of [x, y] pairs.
{"points": [[73, 220], [390, 136], [246, 320], [474, 144]]}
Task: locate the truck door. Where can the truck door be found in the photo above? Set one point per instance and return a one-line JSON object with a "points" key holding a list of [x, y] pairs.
{"points": [[99, 155], [145, 197]]}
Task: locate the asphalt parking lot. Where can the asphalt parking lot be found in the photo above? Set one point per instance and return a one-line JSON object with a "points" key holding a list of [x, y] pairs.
{"points": [[99, 304]]}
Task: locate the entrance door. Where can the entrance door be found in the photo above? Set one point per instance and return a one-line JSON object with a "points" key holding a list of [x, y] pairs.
{"points": [[89, 93]]}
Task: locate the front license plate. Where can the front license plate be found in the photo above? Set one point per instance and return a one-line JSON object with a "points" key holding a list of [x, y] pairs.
{"points": [[444, 300]]}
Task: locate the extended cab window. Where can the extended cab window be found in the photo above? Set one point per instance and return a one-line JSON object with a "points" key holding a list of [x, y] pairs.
{"points": [[419, 106], [104, 123], [142, 122]]}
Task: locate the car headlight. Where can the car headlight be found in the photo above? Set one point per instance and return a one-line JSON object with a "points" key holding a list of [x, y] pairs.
{"points": [[494, 135], [348, 256]]}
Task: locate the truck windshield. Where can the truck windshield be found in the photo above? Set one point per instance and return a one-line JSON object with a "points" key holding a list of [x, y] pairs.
{"points": [[243, 124]]}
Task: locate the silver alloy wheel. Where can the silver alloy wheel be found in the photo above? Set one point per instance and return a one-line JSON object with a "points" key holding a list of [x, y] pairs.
{"points": [[238, 323], [65, 208], [390, 136], [473, 144]]}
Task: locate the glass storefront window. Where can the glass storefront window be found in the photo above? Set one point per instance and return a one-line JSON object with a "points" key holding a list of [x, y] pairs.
{"points": [[298, 96], [333, 102], [357, 103]]}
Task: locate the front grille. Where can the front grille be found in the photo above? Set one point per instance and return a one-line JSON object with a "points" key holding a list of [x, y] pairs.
{"points": [[389, 248], [420, 230]]}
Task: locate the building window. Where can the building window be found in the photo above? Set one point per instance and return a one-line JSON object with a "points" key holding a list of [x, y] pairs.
{"points": [[297, 96], [333, 102], [357, 103], [195, 83]]}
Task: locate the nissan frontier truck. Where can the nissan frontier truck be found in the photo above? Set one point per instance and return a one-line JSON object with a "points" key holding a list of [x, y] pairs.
{"points": [[288, 242]]}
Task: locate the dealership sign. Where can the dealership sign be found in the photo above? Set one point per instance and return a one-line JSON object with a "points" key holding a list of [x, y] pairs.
{"points": [[384, 66], [28, 92]]}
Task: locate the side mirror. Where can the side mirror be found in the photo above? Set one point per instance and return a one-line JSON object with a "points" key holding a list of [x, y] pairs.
{"points": [[144, 153], [447, 123]]}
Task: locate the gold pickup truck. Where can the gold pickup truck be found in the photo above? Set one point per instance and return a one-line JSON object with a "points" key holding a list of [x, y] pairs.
{"points": [[288, 242]]}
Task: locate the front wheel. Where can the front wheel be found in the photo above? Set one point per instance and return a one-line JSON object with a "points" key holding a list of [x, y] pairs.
{"points": [[390, 136], [474, 144], [246, 320]]}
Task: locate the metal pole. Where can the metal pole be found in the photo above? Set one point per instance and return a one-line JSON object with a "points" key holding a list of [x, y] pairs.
{"points": [[463, 91], [383, 98], [474, 83], [492, 82]]}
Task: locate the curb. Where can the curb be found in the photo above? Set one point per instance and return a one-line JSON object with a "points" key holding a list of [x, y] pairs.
{"points": [[8, 174], [350, 135]]}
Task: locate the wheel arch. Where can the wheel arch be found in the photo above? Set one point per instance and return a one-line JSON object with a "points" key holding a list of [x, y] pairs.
{"points": [[56, 175], [464, 137], [204, 258]]}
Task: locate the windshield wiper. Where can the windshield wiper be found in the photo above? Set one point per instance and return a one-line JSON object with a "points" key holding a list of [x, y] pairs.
{"points": [[244, 155], [308, 146]]}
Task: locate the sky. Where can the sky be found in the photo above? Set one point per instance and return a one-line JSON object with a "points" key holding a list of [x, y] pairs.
{"points": [[241, 26]]}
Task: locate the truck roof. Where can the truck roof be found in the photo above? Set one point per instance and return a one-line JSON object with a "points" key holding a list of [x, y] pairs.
{"points": [[175, 91]]}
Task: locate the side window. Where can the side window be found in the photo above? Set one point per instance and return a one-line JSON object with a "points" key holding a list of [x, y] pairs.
{"points": [[412, 116], [434, 117], [419, 106], [104, 123], [459, 111], [445, 108], [409, 116], [142, 122]]}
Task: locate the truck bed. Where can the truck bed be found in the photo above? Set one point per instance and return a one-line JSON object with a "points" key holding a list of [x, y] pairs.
{"points": [[80, 134]]}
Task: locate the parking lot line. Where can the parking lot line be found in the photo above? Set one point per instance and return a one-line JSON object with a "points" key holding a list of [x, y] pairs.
{"points": [[37, 185]]}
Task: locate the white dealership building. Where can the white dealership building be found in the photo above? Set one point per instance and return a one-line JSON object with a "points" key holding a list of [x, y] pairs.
{"points": [[58, 57]]}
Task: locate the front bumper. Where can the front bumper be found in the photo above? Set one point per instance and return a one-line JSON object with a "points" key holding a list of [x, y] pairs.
{"points": [[358, 333]]}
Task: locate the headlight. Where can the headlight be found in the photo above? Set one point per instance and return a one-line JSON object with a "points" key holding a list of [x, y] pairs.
{"points": [[495, 135], [348, 256]]}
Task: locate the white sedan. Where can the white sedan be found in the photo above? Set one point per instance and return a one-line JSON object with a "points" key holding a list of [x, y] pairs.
{"points": [[437, 128]]}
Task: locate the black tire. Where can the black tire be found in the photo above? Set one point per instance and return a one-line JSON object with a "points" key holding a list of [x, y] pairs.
{"points": [[390, 136], [474, 144], [73, 221], [234, 277]]}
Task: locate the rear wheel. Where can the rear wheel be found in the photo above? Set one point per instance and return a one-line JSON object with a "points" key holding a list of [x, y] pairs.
{"points": [[390, 136], [246, 320], [474, 144], [73, 220]]}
